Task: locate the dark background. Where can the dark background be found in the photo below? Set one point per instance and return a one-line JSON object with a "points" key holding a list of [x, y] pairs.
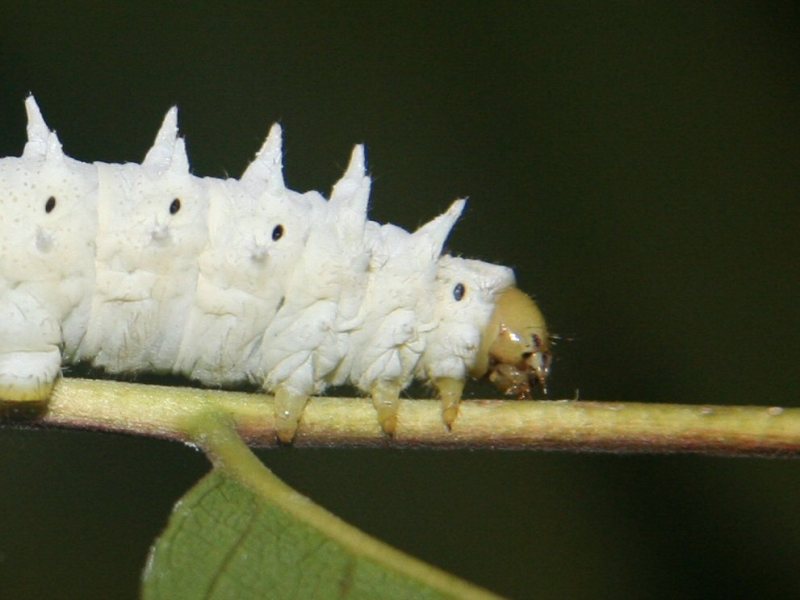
{"points": [[636, 163]]}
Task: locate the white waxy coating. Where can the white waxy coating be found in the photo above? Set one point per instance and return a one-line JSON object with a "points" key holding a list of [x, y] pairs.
{"points": [[305, 342], [388, 339], [451, 346], [147, 267], [152, 225], [48, 219]]}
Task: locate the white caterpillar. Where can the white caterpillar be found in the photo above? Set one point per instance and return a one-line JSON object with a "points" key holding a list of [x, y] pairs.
{"points": [[145, 267]]}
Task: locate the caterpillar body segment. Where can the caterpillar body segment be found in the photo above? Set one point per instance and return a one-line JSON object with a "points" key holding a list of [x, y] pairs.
{"points": [[46, 261], [147, 267], [151, 229]]}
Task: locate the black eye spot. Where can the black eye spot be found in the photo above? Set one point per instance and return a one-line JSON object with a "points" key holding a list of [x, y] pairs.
{"points": [[459, 291], [175, 206], [50, 204], [277, 233]]}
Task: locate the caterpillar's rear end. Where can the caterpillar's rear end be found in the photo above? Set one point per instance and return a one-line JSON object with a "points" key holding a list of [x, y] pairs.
{"points": [[145, 267]]}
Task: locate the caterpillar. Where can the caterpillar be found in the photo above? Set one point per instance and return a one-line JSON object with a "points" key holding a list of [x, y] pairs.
{"points": [[149, 268]]}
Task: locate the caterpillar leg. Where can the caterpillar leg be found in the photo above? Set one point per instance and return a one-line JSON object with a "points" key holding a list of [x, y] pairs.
{"points": [[450, 390], [28, 376], [289, 407], [386, 400]]}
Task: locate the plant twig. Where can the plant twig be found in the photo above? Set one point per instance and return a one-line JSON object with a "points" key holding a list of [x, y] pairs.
{"points": [[168, 412]]}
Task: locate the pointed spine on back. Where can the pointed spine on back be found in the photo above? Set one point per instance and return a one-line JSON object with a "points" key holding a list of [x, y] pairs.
{"points": [[354, 179], [350, 197], [436, 231], [42, 143], [161, 156], [265, 172], [179, 161]]}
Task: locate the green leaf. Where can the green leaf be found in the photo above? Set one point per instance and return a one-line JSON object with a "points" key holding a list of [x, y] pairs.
{"points": [[243, 533], [225, 542]]}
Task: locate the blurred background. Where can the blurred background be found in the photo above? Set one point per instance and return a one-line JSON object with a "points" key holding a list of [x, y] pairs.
{"points": [[638, 164]]}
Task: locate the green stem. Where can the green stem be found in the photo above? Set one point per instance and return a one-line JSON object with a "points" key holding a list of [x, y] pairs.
{"points": [[566, 425], [216, 434]]}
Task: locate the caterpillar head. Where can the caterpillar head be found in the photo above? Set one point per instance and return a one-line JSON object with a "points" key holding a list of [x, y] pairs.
{"points": [[515, 345]]}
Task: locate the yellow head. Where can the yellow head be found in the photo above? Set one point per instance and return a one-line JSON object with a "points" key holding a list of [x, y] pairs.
{"points": [[515, 346]]}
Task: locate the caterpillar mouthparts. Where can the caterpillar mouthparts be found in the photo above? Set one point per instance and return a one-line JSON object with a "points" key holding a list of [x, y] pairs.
{"points": [[146, 267]]}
